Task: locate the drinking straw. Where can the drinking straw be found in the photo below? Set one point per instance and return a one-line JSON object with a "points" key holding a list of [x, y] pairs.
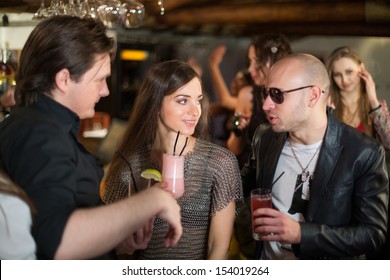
{"points": [[185, 145], [281, 174], [174, 147]]}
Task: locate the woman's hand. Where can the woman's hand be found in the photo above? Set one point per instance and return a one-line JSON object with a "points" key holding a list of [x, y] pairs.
{"points": [[239, 123], [217, 55]]}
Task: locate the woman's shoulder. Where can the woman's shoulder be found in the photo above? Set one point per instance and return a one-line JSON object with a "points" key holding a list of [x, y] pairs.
{"points": [[13, 205], [16, 241], [13, 209]]}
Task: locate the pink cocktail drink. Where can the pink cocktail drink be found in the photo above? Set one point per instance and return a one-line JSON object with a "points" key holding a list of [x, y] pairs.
{"points": [[173, 174], [176, 186], [260, 198]]}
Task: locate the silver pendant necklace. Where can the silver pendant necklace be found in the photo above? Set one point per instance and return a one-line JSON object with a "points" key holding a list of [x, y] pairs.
{"points": [[305, 173]]}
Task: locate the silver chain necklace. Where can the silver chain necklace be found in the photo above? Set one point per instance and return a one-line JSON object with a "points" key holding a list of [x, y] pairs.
{"points": [[304, 173]]}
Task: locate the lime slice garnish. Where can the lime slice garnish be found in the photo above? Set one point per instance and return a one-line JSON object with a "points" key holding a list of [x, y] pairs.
{"points": [[151, 174]]}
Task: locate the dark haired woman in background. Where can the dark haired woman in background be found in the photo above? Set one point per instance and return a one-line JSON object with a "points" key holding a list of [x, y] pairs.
{"points": [[263, 52]]}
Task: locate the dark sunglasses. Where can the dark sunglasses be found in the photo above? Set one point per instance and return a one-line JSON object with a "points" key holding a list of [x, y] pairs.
{"points": [[277, 95]]}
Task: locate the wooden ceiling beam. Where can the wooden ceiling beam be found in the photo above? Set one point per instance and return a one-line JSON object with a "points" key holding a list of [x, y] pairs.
{"points": [[345, 29], [22, 5], [291, 12], [247, 17], [153, 8]]}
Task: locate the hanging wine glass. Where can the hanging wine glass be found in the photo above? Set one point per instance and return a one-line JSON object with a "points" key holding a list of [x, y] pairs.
{"points": [[41, 13], [56, 8], [88, 10], [83, 8], [79, 7], [109, 13], [70, 8], [133, 15], [93, 5]]}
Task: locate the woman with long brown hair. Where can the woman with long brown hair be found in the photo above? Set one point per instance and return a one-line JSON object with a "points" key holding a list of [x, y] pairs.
{"points": [[171, 100], [263, 52]]}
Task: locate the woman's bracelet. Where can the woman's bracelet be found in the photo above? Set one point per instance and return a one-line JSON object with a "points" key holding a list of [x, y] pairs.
{"points": [[376, 108]]}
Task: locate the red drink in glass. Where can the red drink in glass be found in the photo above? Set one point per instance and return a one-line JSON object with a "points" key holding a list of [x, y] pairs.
{"points": [[260, 198]]}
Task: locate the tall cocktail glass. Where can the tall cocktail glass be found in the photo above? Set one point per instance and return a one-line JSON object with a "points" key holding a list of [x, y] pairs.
{"points": [[173, 174]]}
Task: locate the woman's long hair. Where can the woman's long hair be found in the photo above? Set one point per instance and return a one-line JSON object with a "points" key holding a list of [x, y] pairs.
{"points": [[161, 80], [269, 48], [340, 107]]}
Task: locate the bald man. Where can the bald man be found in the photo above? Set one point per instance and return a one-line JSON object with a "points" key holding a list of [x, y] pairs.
{"points": [[329, 181]]}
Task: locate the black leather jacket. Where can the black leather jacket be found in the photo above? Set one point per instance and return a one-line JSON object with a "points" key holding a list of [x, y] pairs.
{"points": [[347, 212]]}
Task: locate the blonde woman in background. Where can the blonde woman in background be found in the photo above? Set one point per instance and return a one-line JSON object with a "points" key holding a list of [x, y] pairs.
{"points": [[354, 95]]}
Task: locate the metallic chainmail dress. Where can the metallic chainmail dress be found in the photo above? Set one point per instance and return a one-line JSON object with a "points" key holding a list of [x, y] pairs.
{"points": [[212, 180]]}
